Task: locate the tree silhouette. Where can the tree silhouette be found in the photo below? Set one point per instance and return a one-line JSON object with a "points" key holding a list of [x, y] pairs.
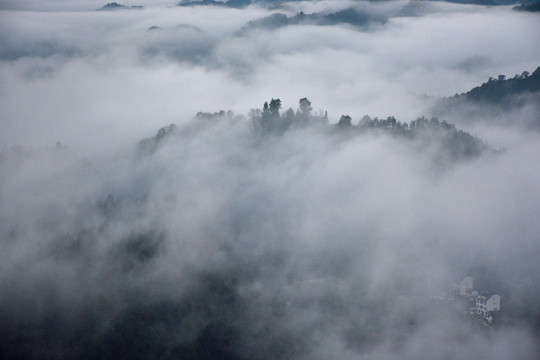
{"points": [[305, 106], [275, 105], [345, 120]]}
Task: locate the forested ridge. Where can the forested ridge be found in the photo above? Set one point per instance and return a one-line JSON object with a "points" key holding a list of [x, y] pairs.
{"points": [[451, 143], [500, 89], [501, 100]]}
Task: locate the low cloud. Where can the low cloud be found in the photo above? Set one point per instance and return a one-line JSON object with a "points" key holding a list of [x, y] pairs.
{"points": [[302, 244], [214, 241]]}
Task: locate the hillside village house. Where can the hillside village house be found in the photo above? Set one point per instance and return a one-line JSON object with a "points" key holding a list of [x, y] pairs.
{"points": [[484, 305]]}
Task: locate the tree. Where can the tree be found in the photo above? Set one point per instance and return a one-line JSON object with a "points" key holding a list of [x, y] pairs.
{"points": [[269, 118], [391, 122], [288, 117], [305, 106], [275, 105], [345, 120]]}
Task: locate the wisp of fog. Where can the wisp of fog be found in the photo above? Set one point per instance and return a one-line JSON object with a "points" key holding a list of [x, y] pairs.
{"points": [[267, 180]]}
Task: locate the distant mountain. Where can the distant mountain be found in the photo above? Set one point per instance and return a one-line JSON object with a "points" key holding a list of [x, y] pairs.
{"points": [[230, 3], [116, 6], [499, 90], [511, 2], [243, 3], [473, 2], [494, 97], [489, 2], [534, 7], [349, 16]]}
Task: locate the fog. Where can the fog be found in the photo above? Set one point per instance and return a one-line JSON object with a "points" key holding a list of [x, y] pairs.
{"points": [[214, 240]]}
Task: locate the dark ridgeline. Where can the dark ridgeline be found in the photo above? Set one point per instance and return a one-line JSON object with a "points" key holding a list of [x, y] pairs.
{"points": [[500, 95], [533, 7], [451, 143], [117, 6], [350, 16], [500, 90], [230, 3]]}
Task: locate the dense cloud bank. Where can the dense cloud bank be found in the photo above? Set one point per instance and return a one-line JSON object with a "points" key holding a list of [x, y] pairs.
{"points": [[85, 72], [308, 235], [217, 240]]}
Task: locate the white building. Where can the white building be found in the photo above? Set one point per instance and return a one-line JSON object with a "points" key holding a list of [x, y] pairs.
{"points": [[485, 305]]}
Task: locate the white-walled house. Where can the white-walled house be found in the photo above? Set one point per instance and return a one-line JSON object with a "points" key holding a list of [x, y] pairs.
{"points": [[485, 304], [481, 304]]}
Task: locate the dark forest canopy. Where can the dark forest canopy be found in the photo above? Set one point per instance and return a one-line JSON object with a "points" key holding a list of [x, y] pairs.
{"points": [[534, 7], [498, 95], [500, 89], [270, 121]]}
